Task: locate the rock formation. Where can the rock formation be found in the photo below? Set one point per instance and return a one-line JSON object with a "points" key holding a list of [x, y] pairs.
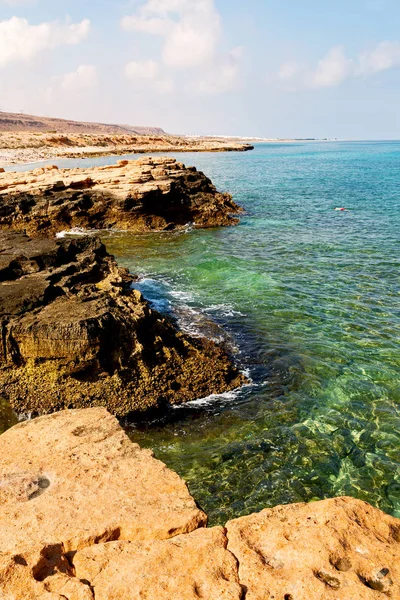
{"points": [[339, 548], [139, 195], [75, 335], [86, 514]]}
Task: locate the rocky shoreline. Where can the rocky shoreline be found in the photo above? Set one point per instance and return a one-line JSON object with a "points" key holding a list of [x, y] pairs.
{"points": [[28, 147], [86, 514], [75, 334], [140, 195]]}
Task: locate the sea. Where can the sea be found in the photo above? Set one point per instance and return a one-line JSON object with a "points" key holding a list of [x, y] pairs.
{"points": [[306, 297]]}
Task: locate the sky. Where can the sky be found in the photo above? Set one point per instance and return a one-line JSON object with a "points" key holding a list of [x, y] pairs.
{"points": [[267, 68]]}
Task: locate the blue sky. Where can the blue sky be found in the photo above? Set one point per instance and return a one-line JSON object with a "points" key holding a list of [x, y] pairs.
{"points": [[273, 68]]}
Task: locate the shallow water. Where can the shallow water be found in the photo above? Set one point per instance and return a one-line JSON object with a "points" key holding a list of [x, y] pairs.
{"points": [[310, 300]]}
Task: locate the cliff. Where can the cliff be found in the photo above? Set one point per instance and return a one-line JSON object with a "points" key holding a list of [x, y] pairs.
{"points": [[19, 122], [86, 514], [74, 334]]}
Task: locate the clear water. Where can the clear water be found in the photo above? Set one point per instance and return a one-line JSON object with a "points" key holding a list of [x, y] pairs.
{"points": [[310, 300]]}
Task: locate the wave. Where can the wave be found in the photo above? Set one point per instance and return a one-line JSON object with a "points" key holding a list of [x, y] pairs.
{"points": [[226, 310], [78, 231], [225, 397]]}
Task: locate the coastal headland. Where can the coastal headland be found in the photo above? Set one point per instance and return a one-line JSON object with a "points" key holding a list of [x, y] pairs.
{"points": [[74, 332], [27, 139], [86, 514], [138, 195]]}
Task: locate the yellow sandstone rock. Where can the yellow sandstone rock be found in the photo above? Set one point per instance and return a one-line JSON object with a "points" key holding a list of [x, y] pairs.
{"points": [[85, 514]]}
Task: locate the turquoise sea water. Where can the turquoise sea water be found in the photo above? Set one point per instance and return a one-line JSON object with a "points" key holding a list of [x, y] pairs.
{"points": [[310, 299]]}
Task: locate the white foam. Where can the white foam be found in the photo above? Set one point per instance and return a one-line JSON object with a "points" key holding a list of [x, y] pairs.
{"points": [[225, 396], [181, 295], [78, 231], [226, 310]]}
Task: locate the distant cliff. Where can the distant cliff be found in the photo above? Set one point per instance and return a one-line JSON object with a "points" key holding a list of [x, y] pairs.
{"points": [[22, 122]]}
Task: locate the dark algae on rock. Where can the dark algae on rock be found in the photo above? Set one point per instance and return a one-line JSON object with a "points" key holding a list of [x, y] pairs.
{"points": [[74, 335]]}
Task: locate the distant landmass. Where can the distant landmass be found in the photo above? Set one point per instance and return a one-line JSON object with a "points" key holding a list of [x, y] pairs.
{"points": [[22, 122], [29, 139]]}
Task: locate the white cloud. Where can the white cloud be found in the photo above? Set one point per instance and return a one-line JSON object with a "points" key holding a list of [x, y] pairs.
{"points": [[145, 70], [333, 69], [16, 2], [288, 70], [385, 56], [146, 74], [191, 29], [84, 78], [20, 41], [336, 68], [222, 76]]}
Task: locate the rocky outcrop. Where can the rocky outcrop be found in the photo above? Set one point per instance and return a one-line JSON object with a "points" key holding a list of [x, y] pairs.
{"points": [[75, 335], [86, 514], [340, 548], [143, 195], [188, 567], [73, 480]]}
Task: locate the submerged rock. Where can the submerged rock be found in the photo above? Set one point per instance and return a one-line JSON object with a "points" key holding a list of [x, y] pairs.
{"points": [[138, 195], [85, 513], [74, 335]]}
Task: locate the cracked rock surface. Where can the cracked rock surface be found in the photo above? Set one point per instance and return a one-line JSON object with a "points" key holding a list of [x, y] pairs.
{"points": [[72, 480], [75, 335], [152, 193], [85, 514], [339, 548]]}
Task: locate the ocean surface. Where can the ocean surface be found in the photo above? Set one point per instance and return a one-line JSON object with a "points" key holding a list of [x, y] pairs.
{"points": [[307, 298]]}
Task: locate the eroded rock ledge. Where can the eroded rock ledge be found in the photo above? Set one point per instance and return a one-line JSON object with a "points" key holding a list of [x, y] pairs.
{"points": [[85, 514], [75, 335], [138, 195]]}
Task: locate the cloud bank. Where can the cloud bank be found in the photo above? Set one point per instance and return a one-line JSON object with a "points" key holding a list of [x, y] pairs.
{"points": [[335, 67], [20, 41], [191, 32]]}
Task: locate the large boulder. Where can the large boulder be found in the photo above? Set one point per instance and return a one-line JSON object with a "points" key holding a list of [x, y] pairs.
{"points": [[75, 335], [341, 548], [138, 195], [72, 480], [85, 513]]}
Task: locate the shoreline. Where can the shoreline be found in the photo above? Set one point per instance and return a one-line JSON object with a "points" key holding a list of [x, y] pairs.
{"points": [[71, 320], [27, 149]]}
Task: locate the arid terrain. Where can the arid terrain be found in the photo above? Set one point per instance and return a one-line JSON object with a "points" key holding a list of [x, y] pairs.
{"points": [[26, 139]]}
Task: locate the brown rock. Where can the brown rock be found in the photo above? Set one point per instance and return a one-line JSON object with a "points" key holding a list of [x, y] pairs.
{"points": [[75, 335], [72, 480], [341, 548], [187, 567], [138, 195], [85, 514]]}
